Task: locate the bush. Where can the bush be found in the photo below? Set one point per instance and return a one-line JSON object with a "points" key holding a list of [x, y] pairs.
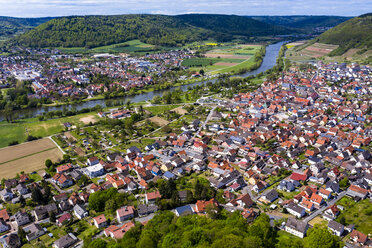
{"points": [[13, 143]]}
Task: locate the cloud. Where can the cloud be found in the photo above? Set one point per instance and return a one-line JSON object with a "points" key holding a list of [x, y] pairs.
{"points": [[33, 8]]}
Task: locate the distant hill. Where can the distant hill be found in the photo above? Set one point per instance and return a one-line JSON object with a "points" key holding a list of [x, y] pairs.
{"points": [[10, 26], [306, 23], [94, 31], [354, 33]]}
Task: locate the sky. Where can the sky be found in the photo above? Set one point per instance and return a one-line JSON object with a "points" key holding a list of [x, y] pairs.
{"points": [[42, 8]]}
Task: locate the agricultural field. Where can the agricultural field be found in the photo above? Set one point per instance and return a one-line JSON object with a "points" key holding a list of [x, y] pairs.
{"points": [[224, 59], [159, 121], [315, 51], [27, 157]]}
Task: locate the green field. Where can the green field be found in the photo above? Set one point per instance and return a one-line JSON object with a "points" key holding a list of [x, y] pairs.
{"points": [[155, 110], [357, 213], [17, 131], [225, 59], [133, 46]]}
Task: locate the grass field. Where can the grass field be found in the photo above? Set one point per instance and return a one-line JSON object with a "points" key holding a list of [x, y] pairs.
{"points": [[17, 131], [133, 46], [358, 213], [161, 109], [158, 120], [27, 157], [229, 58]]}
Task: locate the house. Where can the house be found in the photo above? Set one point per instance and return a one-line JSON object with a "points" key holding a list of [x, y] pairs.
{"points": [[358, 237], [42, 212], [6, 194], [22, 189], [249, 214], [65, 241], [63, 218], [94, 170], [286, 186], [336, 228], [62, 180], [296, 210], [184, 210], [356, 191], [144, 210], [296, 227], [298, 177], [64, 168], [21, 218], [325, 194], [270, 196], [169, 175], [80, 212], [100, 221], [331, 212], [152, 197], [243, 201], [3, 226], [92, 161], [316, 199], [183, 195], [200, 205], [12, 241], [125, 213], [4, 215], [34, 231]]}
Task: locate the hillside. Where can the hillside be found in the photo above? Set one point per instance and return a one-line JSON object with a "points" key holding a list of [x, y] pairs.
{"points": [[94, 31], [306, 23], [354, 33], [10, 26]]}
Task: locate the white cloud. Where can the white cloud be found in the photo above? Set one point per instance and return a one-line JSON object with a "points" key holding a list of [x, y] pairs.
{"points": [[24, 8]]}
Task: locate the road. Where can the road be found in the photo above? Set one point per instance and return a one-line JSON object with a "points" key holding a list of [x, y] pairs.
{"points": [[320, 210], [204, 125]]}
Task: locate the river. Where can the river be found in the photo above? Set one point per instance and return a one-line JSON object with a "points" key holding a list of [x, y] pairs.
{"points": [[268, 62]]}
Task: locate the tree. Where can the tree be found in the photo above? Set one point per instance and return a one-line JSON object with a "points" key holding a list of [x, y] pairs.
{"points": [[52, 217], [37, 196], [98, 243], [84, 180], [321, 237], [344, 183], [48, 163], [22, 235]]}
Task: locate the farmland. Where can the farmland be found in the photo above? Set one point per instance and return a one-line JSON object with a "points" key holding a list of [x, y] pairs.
{"points": [[27, 157], [225, 58], [314, 51]]}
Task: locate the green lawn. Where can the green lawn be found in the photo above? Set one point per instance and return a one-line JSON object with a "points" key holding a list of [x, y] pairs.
{"points": [[357, 213], [17, 131], [287, 238]]}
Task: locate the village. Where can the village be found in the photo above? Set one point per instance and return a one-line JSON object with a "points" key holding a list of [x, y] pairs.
{"points": [[56, 76], [297, 149]]}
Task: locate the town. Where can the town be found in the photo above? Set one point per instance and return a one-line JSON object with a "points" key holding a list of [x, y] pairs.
{"points": [[297, 149]]}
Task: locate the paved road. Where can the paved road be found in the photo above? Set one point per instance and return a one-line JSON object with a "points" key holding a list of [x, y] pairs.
{"points": [[204, 125], [320, 210]]}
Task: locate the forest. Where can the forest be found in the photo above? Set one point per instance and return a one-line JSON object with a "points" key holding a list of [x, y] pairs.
{"points": [[95, 31]]}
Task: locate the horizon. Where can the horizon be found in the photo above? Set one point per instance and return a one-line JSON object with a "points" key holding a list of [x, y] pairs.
{"points": [[61, 8]]}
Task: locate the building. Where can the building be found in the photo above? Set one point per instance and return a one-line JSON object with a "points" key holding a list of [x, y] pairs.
{"points": [[21, 218], [184, 210], [95, 170], [201, 206], [144, 210], [296, 227], [80, 212], [152, 196], [100, 221], [125, 213], [34, 231], [243, 201], [358, 237], [3, 226], [296, 210], [355, 191], [11, 241], [65, 242], [336, 228]]}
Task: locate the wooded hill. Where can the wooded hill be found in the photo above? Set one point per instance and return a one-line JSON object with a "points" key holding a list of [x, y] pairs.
{"points": [[305, 23], [354, 33], [10, 26], [95, 31]]}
